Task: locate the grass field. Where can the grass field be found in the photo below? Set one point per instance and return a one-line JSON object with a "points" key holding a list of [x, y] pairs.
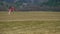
{"points": [[30, 23]]}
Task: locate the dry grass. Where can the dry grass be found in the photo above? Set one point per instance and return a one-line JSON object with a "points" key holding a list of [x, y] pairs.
{"points": [[30, 16], [30, 23], [30, 27]]}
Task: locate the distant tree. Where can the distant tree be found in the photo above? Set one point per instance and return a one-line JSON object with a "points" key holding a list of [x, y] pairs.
{"points": [[53, 2], [18, 3], [1, 2]]}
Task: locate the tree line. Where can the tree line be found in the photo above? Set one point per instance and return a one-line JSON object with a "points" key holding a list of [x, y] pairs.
{"points": [[21, 4]]}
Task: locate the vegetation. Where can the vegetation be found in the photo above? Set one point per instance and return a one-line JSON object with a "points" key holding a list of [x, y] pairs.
{"points": [[30, 27], [30, 23], [19, 4]]}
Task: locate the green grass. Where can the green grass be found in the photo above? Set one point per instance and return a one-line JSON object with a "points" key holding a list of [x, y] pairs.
{"points": [[30, 23]]}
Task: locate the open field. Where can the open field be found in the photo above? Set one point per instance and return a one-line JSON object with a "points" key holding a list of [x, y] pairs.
{"points": [[20, 16], [30, 23]]}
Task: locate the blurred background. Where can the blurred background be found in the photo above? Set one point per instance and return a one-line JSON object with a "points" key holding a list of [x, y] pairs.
{"points": [[31, 5]]}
